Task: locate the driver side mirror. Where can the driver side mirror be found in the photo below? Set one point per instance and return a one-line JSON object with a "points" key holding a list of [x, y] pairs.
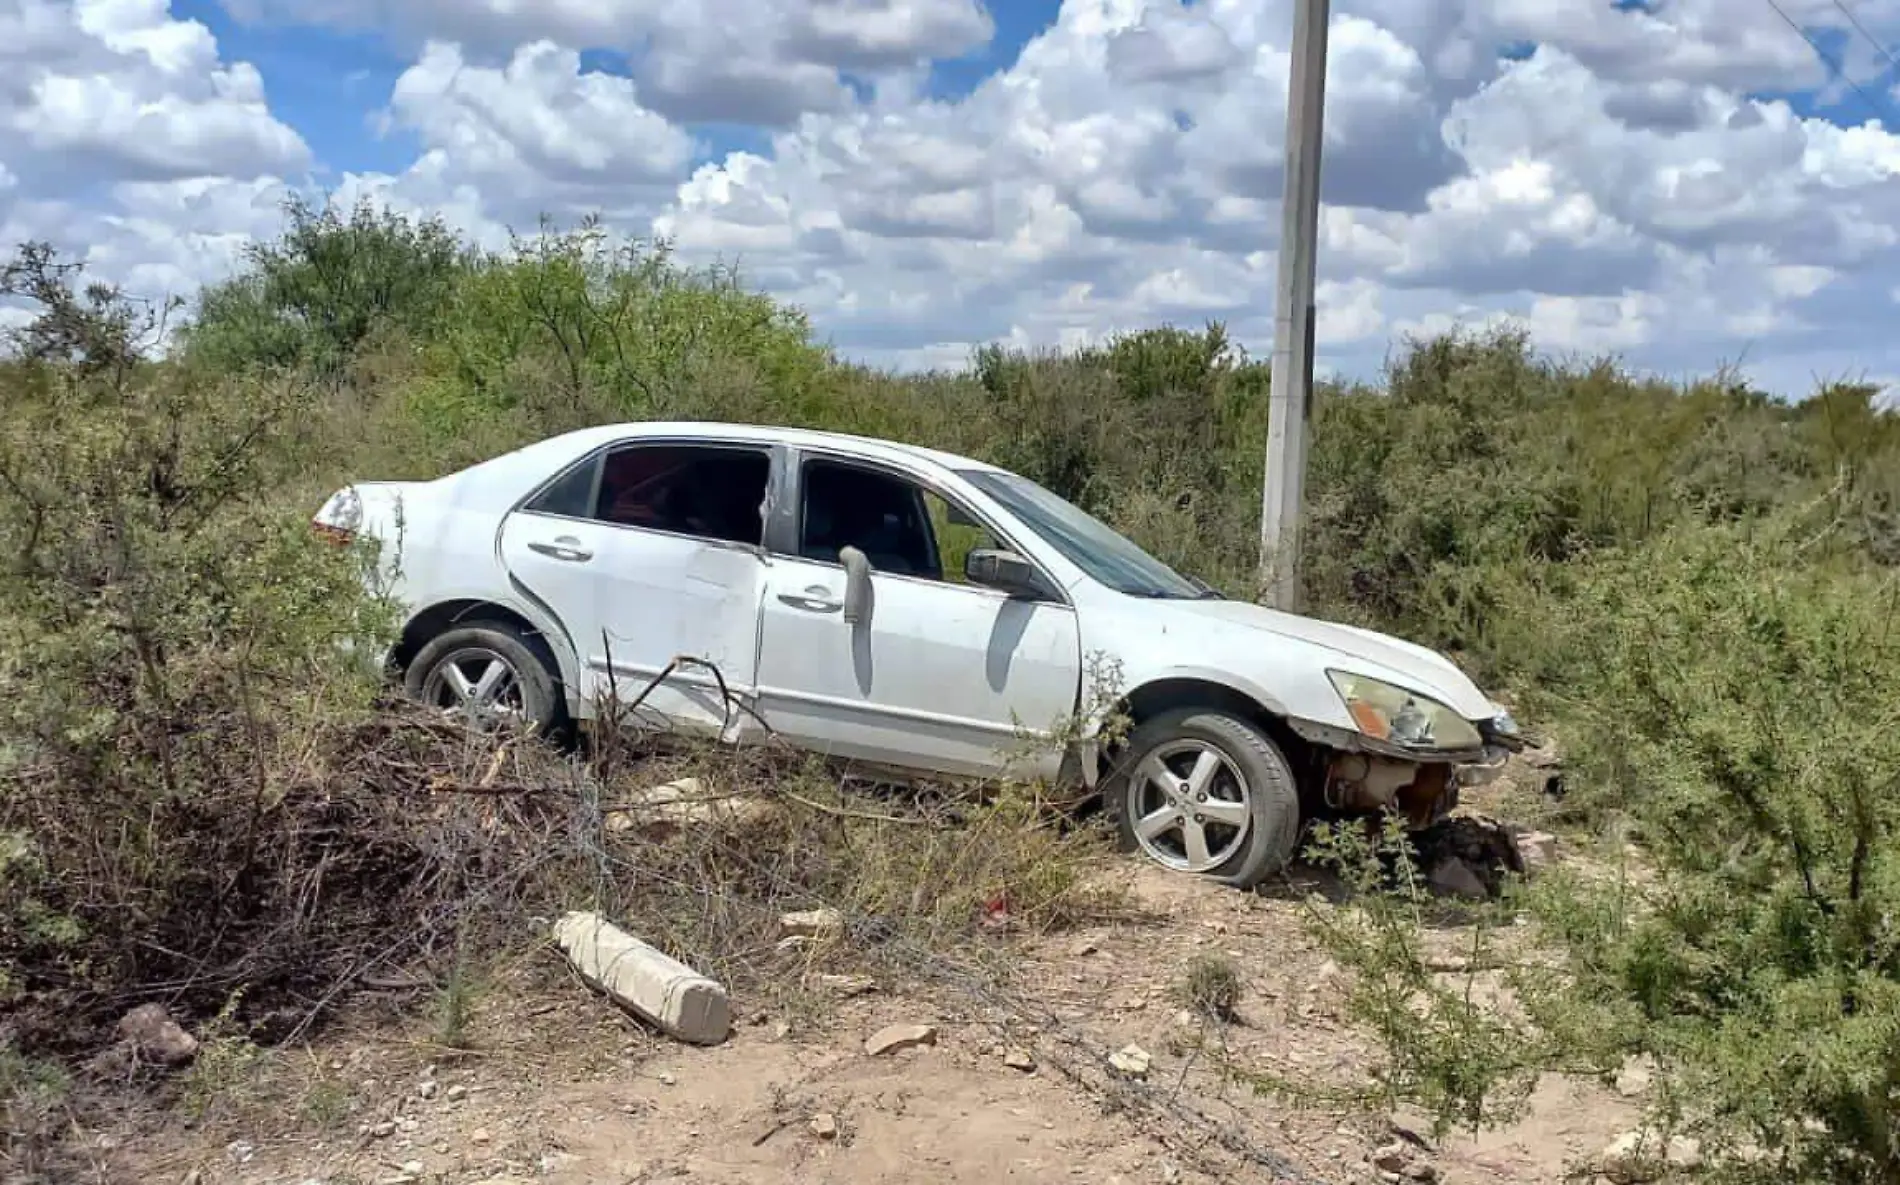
{"points": [[1006, 571]]}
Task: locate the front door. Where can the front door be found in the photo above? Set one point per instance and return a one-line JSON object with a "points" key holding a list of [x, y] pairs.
{"points": [[943, 676], [648, 554]]}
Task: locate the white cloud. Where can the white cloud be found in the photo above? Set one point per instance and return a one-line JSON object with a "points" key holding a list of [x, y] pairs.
{"points": [[127, 141], [1132, 153], [120, 87], [738, 61], [540, 119]]}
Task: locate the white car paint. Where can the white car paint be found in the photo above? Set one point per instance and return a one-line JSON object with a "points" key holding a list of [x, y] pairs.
{"points": [[940, 678], [937, 680]]}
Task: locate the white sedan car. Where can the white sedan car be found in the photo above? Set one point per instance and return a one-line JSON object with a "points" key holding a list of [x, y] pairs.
{"points": [[910, 610]]}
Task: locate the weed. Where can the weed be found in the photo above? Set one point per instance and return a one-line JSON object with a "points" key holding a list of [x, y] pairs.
{"points": [[1211, 987]]}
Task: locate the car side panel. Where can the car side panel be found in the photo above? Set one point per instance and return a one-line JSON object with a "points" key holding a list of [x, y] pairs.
{"points": [[636, 601], [940, 679], [434, 550]]}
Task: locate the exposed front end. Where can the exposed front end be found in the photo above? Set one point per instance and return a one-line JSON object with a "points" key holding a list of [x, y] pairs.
{"points": [[1408, 755]]}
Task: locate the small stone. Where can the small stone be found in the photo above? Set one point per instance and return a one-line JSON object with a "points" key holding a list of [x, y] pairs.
{"points": [[1084, 948], [1395, 1157], [457, 1093], [428, 1090], [480, 1136], [1019, 1059], [407, 1126], [240, 1150], [824, 1126], [1638, 1157], [1131, 1060], [1635, 1078], [1539, 848], [154, 1035], [892, 1038], [848, 986], [412, 1168], [812, 923], [383, 1130], [1454, 878], [667, 1078]]}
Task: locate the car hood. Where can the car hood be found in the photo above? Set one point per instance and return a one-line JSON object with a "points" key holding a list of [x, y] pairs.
{"points": [[1414, 667]]}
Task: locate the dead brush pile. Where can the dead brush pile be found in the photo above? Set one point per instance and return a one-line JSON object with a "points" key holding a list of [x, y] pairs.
{"points": [[891, 885], [295, 867], [392, 847]]}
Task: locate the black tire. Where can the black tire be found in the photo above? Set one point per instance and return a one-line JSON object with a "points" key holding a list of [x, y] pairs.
{"points": [[1253, 766], [542, 704]]}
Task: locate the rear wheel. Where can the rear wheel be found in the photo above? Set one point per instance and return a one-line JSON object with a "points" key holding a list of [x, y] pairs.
{"points": [[489, 675], [1205, 792]]}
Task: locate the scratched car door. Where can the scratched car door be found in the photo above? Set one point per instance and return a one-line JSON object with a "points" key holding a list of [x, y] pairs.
{"points": [[648, 552]]}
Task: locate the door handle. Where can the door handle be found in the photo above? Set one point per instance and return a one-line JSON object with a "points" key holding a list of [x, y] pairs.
{"points": [[816, 599], [564, 548]]}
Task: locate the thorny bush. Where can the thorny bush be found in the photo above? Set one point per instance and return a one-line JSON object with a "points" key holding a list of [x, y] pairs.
{"points": [[169, 646], [1726, 710]]}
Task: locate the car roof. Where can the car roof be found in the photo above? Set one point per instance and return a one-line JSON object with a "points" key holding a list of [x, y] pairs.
{"points": [[867, 446]]}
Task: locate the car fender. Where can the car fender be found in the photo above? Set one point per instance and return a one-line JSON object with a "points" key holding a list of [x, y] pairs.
{"points": [[549, 628]]}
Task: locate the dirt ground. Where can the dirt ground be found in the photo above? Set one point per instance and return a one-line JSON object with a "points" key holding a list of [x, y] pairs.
{"points": [[559, 1088]]}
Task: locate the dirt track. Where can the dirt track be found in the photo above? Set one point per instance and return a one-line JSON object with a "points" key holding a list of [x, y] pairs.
{"points": [[564, 1090]]}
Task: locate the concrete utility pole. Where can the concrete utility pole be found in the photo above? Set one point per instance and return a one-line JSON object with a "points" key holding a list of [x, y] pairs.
{"points": [[1292, 397]]}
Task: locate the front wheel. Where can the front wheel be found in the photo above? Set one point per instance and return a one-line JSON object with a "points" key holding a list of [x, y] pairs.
{"points": [[1204, 792]]}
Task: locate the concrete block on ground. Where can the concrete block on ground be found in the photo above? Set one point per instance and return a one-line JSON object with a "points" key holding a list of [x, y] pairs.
{"points": [[686, 804], [683, 1003]]}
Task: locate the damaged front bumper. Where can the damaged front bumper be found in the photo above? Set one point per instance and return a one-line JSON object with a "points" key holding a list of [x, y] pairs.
{"points": [[1423, 787]]}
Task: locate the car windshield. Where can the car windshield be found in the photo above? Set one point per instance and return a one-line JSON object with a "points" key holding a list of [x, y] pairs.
{"points": [[1083, 539]]}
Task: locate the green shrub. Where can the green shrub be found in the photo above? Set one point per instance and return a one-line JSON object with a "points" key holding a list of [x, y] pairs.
{"points": [[1729, 700], [166, 629], [1724, 704], [312, 297]]}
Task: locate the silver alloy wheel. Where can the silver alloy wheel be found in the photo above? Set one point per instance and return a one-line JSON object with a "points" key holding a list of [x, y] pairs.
{"points": [[478, 685], [1190, 806]]}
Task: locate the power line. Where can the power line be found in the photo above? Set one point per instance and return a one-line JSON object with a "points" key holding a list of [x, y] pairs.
{"points": [[1862, 30], [1832, 66]]}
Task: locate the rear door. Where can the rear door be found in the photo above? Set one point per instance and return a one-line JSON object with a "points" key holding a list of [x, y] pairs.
{"points": [[945, 673], [649, 552]]}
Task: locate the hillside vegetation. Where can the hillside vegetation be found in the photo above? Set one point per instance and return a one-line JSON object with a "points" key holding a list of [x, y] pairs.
{"points": [[1692, 585]]}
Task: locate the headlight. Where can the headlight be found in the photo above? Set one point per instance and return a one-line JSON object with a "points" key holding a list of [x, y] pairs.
{"points": [[1387, 713]]}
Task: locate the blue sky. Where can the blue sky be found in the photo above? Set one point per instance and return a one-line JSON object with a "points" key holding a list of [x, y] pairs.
{"points": [[1675, 182]]}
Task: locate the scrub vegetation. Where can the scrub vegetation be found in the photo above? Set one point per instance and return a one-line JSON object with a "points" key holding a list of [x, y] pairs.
{"points": [[202, 801]]}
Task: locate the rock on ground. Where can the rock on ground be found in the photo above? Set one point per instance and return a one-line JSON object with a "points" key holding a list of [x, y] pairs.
{"points": [[893, 1038], [1641, 1156], [1452, 877], [825, 922], [155, 1036]]}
